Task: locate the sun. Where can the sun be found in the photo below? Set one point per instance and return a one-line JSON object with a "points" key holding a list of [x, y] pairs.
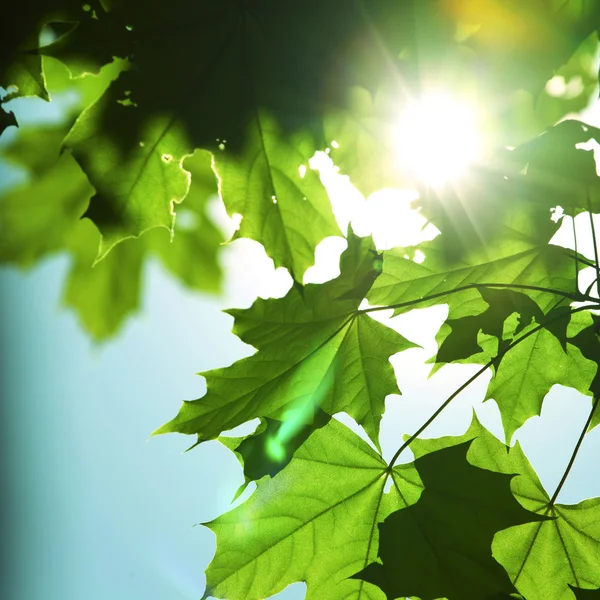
{"points": [[438, 137]]}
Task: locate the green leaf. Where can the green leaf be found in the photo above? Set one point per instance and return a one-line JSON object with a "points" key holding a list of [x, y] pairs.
{"points": [[242, 72], [22, 23], [36, 219], [543, 558], [441, 546], [519, 45], [559, 173], [315, 349], [462, 342], [365, 146], [293, 528], [586, 340], [528, 371], [192, 253], [516, 256], [488, 452], [43, 217], [270, 448], [104, 293], [580, 79], [137, 188], [285, 209]]}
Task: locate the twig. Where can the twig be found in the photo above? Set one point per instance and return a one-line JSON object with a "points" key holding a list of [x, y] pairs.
{"points": [[575, 451], [490, 363], [578, 297], [589, 206]]}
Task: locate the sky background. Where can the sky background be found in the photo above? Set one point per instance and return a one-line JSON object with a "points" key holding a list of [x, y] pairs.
{"points": [[98, 510]]}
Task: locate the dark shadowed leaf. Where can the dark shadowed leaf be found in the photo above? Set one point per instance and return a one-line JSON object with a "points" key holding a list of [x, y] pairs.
{"points": [[440, 547]]}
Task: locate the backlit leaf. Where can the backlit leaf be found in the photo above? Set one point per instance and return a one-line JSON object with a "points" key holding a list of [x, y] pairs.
{"points": [[314, 350], [291, 529], [441, 546]]}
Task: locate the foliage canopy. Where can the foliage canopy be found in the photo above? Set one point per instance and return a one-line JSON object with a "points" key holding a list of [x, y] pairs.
{"points": [[176, 103]]}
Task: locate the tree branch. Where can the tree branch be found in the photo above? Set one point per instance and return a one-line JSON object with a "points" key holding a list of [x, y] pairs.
{"points": [[576, 297], [575, 451], [589, 207], [471, 379]]}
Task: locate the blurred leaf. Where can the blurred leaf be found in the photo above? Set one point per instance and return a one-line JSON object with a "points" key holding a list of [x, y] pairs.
{"points": [[20, 29], [103, 294], [43, 217], [137, 190], [7, 119], [559, 173], [572, 88]]}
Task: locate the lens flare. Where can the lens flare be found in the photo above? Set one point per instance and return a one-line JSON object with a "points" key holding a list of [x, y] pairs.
{"points": [[438, 138]]}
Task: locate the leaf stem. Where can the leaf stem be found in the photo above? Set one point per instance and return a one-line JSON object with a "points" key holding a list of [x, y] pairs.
{"points": [[582, 259], [589, 288], [575, 451], [577, 297], [597, 265], [575, 245], [471, 379]]}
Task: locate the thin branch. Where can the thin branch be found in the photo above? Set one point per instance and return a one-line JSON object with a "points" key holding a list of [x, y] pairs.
{"points": [[576, 297], [589, 207], [575, 244], [581, 259], [589, 287], [575, 451], [471, 379]]}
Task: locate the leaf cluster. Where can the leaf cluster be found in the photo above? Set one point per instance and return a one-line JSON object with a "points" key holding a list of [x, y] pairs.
{"points": [[176, 104]]}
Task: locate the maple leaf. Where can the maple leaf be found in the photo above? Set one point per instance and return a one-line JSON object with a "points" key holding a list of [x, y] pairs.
{"points": [[541, 558], [20, 65], [458, 339], [270, 448], [560, 173], [582, 594], [529, 353], [528, 371], [586, 340], [243, 73], [515, 258], [365, 145], [43, 217], [277, 193], [295, 525], [36, 218], [315, 349], [441, 546], [137, 191]]}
